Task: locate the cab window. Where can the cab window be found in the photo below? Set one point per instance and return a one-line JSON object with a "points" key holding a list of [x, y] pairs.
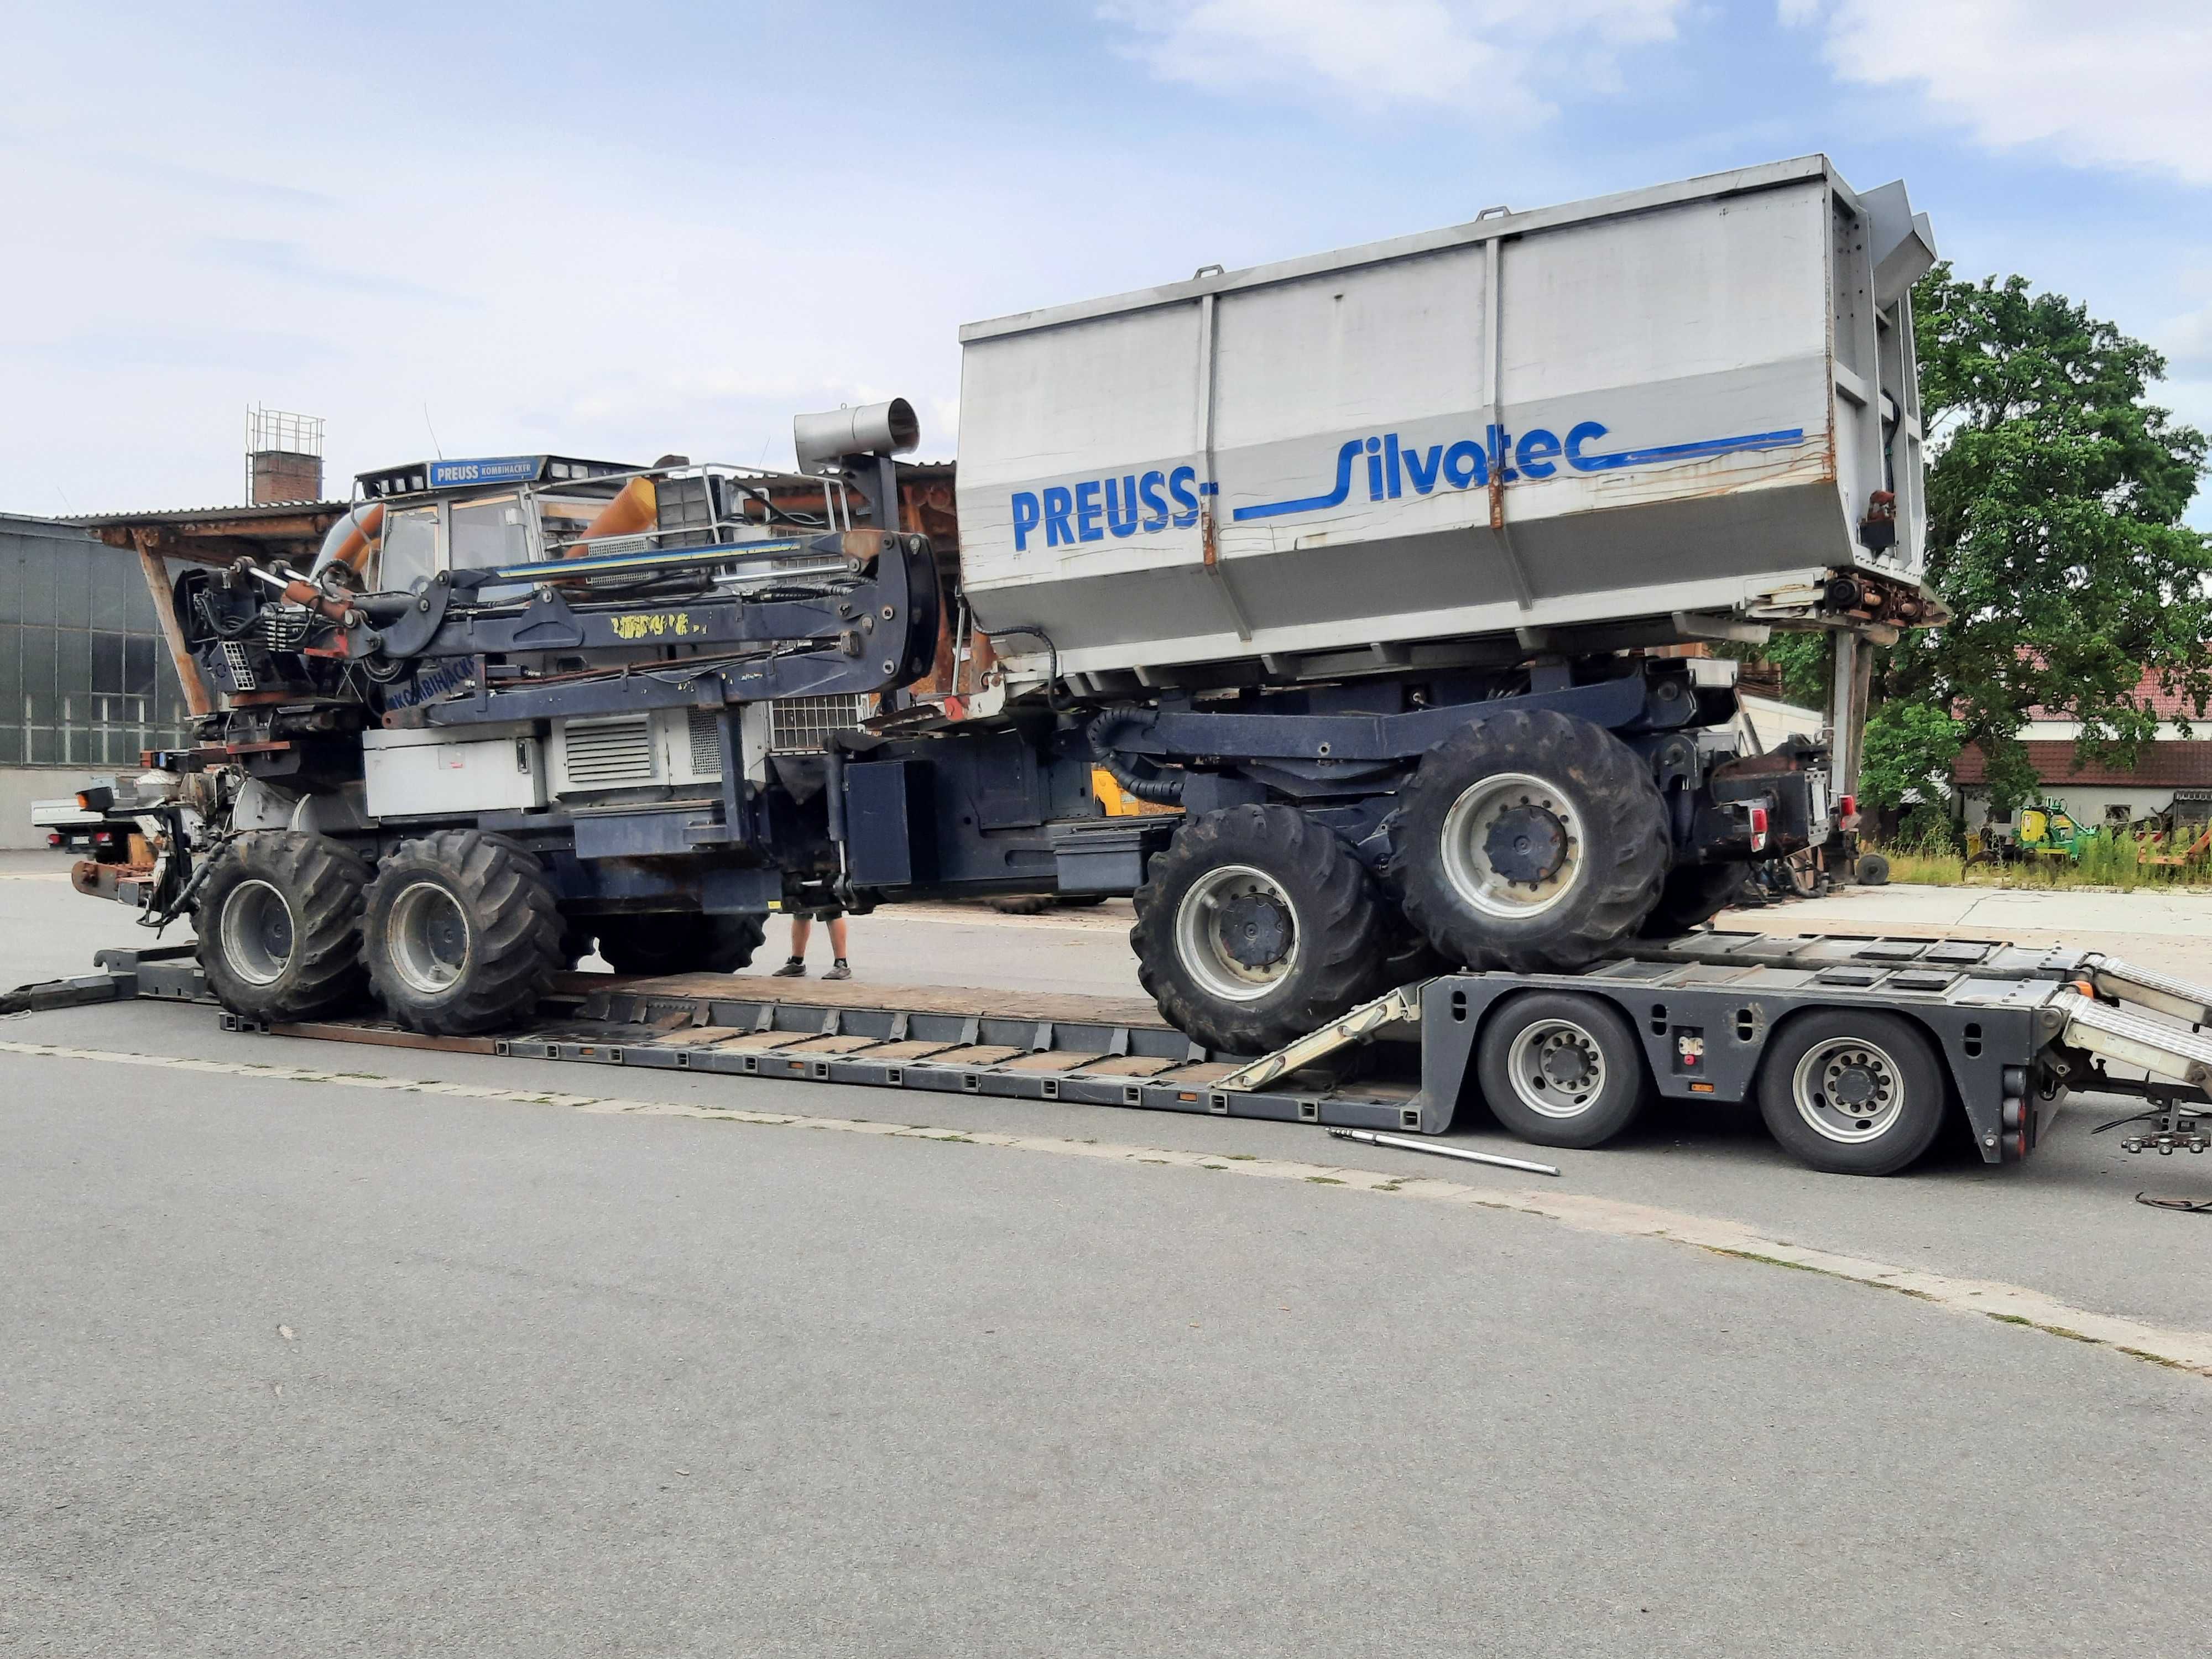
{"points": [[410, 549]]}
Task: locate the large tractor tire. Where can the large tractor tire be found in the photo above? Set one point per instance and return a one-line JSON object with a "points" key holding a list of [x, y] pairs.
{"points": [[279, 926], [680, 942], [462, 933], [1531, 840], [1256, 926]]}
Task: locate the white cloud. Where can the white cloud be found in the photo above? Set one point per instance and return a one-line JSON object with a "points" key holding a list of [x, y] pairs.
{"points": [[1493, 59], [2127, 86], [2187, 343]]}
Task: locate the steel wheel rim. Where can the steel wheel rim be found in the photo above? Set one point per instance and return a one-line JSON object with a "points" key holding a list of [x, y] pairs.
{"points": [[257, 933], [1541, 1066], [1848, 1091], [1472, 822], [430, 938], [1204, 925]]}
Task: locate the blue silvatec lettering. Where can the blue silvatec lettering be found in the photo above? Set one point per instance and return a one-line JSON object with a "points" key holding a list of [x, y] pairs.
{"points": [[1179, 486], [1423, 473], [1059, 502], [1156, 505], [1501, 454], [1464, 464], [1086, 511], [1025, 518], [1390, 464], [1535, 452], [1587, 432], [1374, 469], [1121, 507], [1334, 498]]}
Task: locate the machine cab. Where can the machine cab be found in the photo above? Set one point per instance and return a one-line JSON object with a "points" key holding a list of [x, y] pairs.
{"points": [[477, 514]]}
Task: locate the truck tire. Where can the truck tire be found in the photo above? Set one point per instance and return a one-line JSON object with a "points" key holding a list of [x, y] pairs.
{"points": [[1254, 927], [1531, 840], [279, 926], [1692, 896], [680, 942], [1852, 1092], [1562, 1069], [462, 933]]}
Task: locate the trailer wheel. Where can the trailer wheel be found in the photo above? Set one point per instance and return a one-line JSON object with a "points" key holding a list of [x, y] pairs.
{"points": [[1531, 840], [1254, 927], [1562, 1069], [1852, 1092], [279, 926], [680, 942], [1692, 896], [463, 933]]}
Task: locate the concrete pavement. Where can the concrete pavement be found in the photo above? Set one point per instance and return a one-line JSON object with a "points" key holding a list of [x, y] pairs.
{"points": [[295, 1366]]}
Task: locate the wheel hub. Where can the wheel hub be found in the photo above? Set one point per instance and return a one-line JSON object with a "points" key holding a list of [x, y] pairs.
{"points": [[1853, 1085], [429, 938], [1528, 844], [1255, 929], [1513, 846], [1848, 1091], [1564, 1065], [257, 935], [1237, 932], [1556, 1067]]}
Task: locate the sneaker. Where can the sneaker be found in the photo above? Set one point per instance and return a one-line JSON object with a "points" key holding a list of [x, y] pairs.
{"points": [[791, 969], [839, 970]]}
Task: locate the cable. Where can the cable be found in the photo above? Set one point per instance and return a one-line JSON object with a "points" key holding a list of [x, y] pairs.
{"points": [[1161, 788], [1052, 698]]}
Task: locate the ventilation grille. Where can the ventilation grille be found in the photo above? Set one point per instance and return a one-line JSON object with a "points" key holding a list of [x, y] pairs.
{"points": [[802, 726], [706, 751], [608, 752], [240, 667]]}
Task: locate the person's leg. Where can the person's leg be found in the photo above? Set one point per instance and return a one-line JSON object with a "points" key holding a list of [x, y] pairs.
{"points": [[839, 968], [795, 967]]}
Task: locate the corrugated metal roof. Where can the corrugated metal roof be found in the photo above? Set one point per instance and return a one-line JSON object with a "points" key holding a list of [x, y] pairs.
{"points": [[183, 515]]}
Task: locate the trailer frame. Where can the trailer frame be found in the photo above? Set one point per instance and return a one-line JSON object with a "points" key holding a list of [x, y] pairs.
{"points": [[2016, 1028]]}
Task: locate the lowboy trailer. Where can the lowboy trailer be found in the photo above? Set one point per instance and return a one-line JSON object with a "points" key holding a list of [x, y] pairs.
{"points": [[1858, 1052]]}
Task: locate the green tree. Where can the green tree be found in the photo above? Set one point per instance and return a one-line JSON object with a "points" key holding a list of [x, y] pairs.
{"points": [[1911, 749], [2055, 498]]}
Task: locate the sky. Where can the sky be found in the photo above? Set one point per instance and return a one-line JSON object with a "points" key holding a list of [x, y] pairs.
{"points": [[625, 232]]}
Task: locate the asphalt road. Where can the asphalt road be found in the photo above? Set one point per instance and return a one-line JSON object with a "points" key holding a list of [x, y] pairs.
{"points": [[326, 1366]]}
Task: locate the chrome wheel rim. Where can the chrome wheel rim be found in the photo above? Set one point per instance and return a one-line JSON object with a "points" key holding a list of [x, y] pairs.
{"points": [[257, 933], [430, 938], [1512, 845], [1556, 1067], [1848, 1091], [1237, 932]]}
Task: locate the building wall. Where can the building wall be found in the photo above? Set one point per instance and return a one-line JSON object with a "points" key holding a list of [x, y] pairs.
{"points": [[2087, 804], [85, 680]]}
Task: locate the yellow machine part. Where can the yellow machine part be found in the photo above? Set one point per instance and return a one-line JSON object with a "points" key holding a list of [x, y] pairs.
{"points": [[1118, 802], [633, 510]]}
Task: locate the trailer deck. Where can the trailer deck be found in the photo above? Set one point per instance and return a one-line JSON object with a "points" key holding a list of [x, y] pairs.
{"points": [[2017, 1029]]}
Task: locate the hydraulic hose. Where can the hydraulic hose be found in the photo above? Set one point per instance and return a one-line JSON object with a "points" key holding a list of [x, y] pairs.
{"points": [[1161, 788]]}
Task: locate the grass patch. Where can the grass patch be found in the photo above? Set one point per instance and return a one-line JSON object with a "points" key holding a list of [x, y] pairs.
{"points": [[2106, 861], [1325, 1180]]}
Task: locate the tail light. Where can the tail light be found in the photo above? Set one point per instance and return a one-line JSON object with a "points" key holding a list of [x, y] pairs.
{"points": [[1758, 829], [54, 839]]}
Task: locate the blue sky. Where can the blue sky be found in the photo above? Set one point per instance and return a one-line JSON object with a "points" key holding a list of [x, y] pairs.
{"points": [[627, 231]]}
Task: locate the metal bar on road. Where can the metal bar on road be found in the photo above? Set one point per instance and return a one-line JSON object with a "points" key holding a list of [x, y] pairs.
{"points": [[1369, 1138]]}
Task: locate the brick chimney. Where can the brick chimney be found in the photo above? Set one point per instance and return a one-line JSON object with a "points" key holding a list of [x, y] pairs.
{"points": [[284, 457]]}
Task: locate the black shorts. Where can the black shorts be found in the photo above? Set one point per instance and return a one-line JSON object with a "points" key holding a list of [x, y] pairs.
{"points": [[827, 913]]}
